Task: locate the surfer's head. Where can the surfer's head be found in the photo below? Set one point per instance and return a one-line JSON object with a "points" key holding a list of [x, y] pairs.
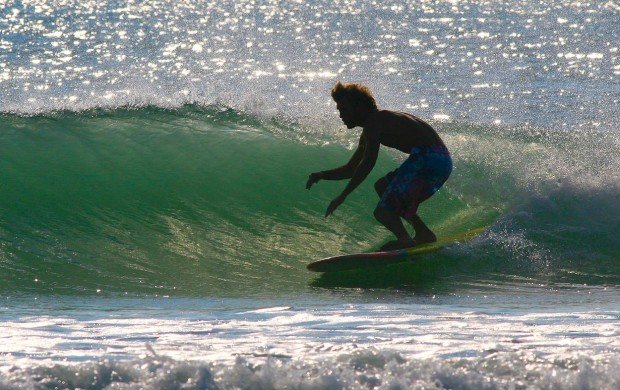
{"points": [[354, 102]]}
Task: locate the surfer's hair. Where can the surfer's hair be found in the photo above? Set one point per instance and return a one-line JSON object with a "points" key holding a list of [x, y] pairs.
{"points": [[355, 93]]}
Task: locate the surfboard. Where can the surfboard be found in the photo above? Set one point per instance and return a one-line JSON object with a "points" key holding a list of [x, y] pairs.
{"points": [[377, 259]]}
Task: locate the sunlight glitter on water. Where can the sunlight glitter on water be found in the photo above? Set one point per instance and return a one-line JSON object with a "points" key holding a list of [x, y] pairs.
{"points": [[438, 50]]}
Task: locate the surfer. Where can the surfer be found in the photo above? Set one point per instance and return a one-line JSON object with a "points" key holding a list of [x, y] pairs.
{"points": [[401, 191]]}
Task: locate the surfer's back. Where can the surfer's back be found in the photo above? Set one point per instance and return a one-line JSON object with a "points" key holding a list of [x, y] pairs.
{"points": [[404, 131]]}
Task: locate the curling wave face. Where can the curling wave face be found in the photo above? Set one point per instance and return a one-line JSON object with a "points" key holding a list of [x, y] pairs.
{"points": [[209, 200]]}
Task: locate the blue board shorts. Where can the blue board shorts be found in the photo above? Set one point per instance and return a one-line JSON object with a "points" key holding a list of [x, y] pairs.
{"points": [[416, 180]]}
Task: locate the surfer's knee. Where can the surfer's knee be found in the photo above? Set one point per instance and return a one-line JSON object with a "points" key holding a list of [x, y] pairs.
{"points": [[378, 214], [380, 186], [382, 215]]}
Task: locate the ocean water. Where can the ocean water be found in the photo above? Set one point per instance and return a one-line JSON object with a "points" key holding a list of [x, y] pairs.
{"points": [[155, 226]]}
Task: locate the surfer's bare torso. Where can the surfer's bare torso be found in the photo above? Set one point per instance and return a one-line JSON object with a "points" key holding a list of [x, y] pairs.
{"points": [[399, 130]]}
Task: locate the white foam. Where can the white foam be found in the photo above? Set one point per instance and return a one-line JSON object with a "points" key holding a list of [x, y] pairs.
{"points": [[360, 370]]}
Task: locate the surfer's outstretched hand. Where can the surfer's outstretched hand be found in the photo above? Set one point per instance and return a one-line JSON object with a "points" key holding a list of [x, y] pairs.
{"points": [[334, 205], [313, 178]]}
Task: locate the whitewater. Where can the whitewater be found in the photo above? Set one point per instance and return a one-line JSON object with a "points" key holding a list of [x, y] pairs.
{"points": [[155, 226]]}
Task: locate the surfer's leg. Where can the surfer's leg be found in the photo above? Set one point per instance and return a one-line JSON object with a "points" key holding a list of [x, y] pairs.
{"points": [[437, 166], [393, 223], [382, 184], [422, 232], [393, 189]]}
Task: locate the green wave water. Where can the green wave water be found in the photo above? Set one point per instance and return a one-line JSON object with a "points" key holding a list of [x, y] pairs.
{"points": [[211, 201]]}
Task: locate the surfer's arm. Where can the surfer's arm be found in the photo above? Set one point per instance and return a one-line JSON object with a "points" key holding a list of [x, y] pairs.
{"points": [[371, 152], [368, 160], [344, 172]]}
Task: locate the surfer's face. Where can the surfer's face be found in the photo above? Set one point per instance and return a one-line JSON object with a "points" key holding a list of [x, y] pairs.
{"points": [[348, 113]]}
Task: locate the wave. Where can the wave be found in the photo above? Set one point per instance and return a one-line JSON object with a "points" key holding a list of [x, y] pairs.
{"points": [[209, 200]]}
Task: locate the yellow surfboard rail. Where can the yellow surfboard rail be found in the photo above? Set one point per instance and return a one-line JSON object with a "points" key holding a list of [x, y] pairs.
{"points": [[444, 241], [373, 259]]}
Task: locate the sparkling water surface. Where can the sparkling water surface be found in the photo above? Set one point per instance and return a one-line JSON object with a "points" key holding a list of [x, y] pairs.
{"points": [[549, 63], [427, 326], [119, 267]]}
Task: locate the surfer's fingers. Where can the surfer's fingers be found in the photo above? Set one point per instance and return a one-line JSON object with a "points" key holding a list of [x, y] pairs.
{"points": [[311, 180], [331, 208]]}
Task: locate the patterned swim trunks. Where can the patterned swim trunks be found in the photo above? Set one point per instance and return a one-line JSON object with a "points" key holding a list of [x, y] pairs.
{"points": [[416, 180]]}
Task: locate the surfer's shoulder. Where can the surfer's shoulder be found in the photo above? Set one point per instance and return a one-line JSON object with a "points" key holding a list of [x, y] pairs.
{"points": [[383, 115], [378, 120], [387, 118]]}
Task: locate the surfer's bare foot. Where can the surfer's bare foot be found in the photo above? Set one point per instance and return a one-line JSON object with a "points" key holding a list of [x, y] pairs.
{"points": [[398, 244], [424, 238]]}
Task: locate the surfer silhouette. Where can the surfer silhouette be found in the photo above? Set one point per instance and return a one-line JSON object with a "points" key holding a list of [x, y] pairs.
{"points": [[401, 191]]}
